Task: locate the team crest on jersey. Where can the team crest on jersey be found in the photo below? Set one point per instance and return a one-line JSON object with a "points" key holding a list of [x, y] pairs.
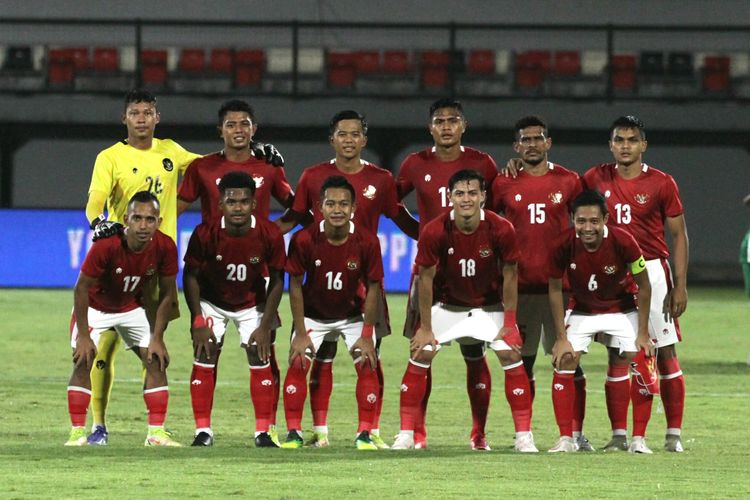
{"points": [[642, 199], [369, 192], [254, 260], [150, 271], [427, 178], [118, 270], [168, 165], [610, 269], [352, 265], [485, 251], [555, 198], [258, 180]]}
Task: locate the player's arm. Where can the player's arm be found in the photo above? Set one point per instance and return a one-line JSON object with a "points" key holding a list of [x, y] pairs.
{"points": [[407, 223], [290, 218], [557, 307], [182, 205], [509, 332], [262, 335], [301, 344], [167, 294], [95, 215], [424, 335], [366, 344], [676, 301], [200, 330], [640, 274], [85, 350]]}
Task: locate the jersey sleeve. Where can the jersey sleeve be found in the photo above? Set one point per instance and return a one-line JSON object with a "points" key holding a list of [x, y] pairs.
{"points": [[508, 243], [194, 253], [391, 206], [374, 260], [276, 257], [404, 185], [631, 252], [102, 177], [168, 257], [295, 263], [282, 190], [559, 257], [495, 201], [671, 195], [190, 184], [301, 198], [95, 262], [184, 158], [428, 246]]}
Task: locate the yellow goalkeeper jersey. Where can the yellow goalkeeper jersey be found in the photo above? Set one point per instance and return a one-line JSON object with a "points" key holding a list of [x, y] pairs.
{"points": [[122, 170]]}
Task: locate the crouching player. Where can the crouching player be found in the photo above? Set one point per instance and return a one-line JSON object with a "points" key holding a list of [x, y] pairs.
{"points": [[342, 270], [225, 265], [467, 264], [108, 294], [602, 262]]}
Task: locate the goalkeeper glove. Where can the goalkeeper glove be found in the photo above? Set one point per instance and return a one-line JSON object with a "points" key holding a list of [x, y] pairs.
{"points": [[104, 228], [267, 152]]}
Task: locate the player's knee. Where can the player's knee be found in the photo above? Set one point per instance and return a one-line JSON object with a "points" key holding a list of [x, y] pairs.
{"points": [[423, 357], [507, 357], [327, 350], [617, 358], [253, 358], [472, 351], [569, 362], [666, 352], [297, 364]]}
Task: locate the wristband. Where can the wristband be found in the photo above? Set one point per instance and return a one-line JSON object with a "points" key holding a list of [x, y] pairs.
{"points": [[509, 319], [368, 331], [200, 322]]}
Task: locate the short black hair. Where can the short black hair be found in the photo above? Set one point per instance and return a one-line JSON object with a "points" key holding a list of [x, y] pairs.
{"points": [[236, 105], [466, 175], [337, 181], [447, 102], [139, 95], [530, 121], [236, 180], [347, 114], [629, 121], [587, 198], [143, 197]]}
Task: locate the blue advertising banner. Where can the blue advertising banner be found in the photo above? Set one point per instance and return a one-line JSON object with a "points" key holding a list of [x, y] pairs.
{"points": [[45, 248]]}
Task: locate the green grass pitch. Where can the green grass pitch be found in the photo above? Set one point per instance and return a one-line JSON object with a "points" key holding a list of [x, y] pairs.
{"points": [[34, 419]]}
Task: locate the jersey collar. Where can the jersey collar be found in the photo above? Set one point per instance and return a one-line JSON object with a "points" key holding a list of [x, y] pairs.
{"points": [[434, 149], [351, 226], [252, 222], [481, 214]]}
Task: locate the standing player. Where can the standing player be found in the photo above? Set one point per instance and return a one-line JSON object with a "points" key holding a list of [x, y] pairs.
{"points": [[237, 126], [537, 202], [140, 162], [224, 280], [645, 202], [467, 264], [427, 173], [376, 192], [602, 263], [108, 295], [745, 253], [342, 270]]}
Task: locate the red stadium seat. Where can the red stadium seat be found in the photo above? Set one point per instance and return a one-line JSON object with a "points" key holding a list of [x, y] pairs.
{"points": [[249, 67], [222, 61], [434, 65], [105, 60], [154, 67], [481, 62], [61, 65], [342, 69], [367, 62], [623, 72], [716, 75], [567, 63], [396, 62], [532, 68], [192, 61]]}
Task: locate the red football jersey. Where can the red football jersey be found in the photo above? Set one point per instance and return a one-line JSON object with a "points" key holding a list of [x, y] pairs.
{"points": [[640, 205], [121, 273], [428, 175], [336, 276], [203, 176], [374, 187], [469, 266], [539, 209], [232, 269], [600, 281]]}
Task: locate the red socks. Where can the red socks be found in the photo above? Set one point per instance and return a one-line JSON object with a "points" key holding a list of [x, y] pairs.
{"points": [[156, 403], [642, 402], [413, 395], [479, 387], [321, 387], [381, 392], [202, 383], [617, 393], [261, 393], [276, 383], [579, 406], [295, 392], [672, 387], [368, 388], [563, 400], [78, 405], [518, 394]]}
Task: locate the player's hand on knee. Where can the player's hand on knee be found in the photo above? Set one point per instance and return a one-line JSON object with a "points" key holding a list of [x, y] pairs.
{"points": [[105, 228], [157, 349], [365, 346], [267, 152], [511, 336], [301, 347], [562, 352], [261, 339], [203, 337], [84, 353], [421, 339]]}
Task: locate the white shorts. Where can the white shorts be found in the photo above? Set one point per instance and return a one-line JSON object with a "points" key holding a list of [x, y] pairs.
{"points": [[331, 330], [132, 326], [621, 330], [468, 325], [246, 321], [660, 330], [535, 322]]}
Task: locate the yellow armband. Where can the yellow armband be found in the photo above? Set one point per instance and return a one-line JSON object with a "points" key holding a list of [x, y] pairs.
{"points": [[638, 266]]}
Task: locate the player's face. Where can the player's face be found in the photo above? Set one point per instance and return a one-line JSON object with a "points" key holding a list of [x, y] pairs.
{"points": [[467, 198], [337, 206], [589, 225], [627, 146], [447, 126], [143, 221], [141, 118], [237, 204], [532, 145], [237, 130], [348, 139]]}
